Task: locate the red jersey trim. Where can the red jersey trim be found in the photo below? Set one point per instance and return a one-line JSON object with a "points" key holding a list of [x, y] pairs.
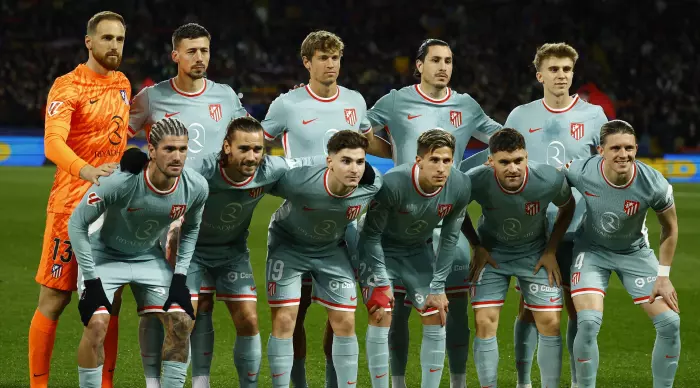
{"points": [[323, 99], [562, 110], [434, 101], [416, 184], [328, 190], [231, 181], [180, 92], [518, 191], [626, 185], [153, 188]]}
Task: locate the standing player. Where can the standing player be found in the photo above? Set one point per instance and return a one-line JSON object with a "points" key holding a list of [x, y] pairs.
{"points": [[138, 209], [558, 128], [306, 118], [206, 108], [405, 114], [86, 118], [511, 241], [306, 235], [396, 244], [618, 192]]}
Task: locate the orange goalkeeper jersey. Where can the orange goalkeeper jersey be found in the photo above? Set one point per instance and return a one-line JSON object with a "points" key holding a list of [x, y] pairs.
{"points": [[87, 116]]}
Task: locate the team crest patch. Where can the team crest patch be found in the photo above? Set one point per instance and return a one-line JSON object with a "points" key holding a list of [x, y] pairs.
{"points": [[456, 118], [532, 208], [350, 116], [631, 207], [444, 209], [215, 112], [255, 193], [577, 130], [353, 212], [575, 278], [93, 199], [271, 288], [124, 96], [53, 108], [56, 271], [177, 211]]}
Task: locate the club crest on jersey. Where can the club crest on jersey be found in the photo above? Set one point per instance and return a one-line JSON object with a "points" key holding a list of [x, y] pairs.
{"points": [[456, 118], [56, 271], [353, 212], [93, 199], [577, 130], [177, 211], [532, 208], [53, 107], [215, 112], [124, 96], [350, 116], [631, 207], [271, 288], [575, 278], [255, 193], [444, 209]]}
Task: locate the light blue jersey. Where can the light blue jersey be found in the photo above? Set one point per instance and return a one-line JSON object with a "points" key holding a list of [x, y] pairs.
{"points": [[206, 114], [307, 121], [408, 112], [136, 215]]}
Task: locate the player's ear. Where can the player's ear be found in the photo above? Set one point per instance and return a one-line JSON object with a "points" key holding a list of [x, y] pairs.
{"points": [[419, 65], [490, 161], [418, 160], [600, 149], [539, 77], [329, 161], [174, 55], [88, 42]]}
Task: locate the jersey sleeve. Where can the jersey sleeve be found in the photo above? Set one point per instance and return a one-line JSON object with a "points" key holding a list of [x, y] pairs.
{"points": [[447, 249], [600, 119], [238, 109], [370, 244], [95, 202], [512, 119], [380, 113], [663, 194], [190, 230], [365, 125], [563, 194], [485, 126], [63, 100], [572, 172], [139, 112], [275, 120], [277, 166], [476, 160]]}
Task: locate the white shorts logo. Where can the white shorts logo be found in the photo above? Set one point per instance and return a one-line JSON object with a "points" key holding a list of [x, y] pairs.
{"points": [[233, 276], [533, 288], [639, 282], [334, 285], [419, 298]]}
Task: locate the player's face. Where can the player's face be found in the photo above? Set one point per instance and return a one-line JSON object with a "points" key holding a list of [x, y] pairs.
{"points": [[436, 70], [436, 166], [324, 67], [170, 155], [619, 152], [245, 151], [347, 166], [510, 168], [192, 57], [107, 44], [556, 75]]}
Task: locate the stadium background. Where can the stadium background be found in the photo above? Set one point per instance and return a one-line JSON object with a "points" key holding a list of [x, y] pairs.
{"points": [[638, 60]]}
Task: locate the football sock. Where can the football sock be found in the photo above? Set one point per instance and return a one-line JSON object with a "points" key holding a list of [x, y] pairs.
{"points": [[432, 355], [331, 377], [667, 348], [174, 374], [525, 341], [399, 336], [90, 377], [151, 336], [571, 328], [202, 340], [398, 382], [201, 381], [110, 346], [549, 351], [486, 360], [586, 347], [299, 373], [247, 356], [457, 328], [280, 356], [42, 334], [345, 355], [377, 349]]}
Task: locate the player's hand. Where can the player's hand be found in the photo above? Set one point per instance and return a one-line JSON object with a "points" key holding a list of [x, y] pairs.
{"points": [[479, 261], [301, 85], [549, 262], [664, 288], [93, 174], [440, 302], [92, 298], [381, 298], [180, 294]]}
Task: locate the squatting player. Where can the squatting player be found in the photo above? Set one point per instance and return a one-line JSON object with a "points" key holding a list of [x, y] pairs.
{"points": [[306, 118], [618, 191], [512, 241], [138, 208], [557, 128], [206, 108], [86, 119], [307, 235], [406, 113], [396, 243]]}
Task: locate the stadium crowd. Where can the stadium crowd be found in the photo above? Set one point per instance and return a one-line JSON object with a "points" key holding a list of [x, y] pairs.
{"points": [[639, 63]]}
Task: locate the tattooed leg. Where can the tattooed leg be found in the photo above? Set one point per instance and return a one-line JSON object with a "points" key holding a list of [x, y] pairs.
{"points": [[177, 327]]}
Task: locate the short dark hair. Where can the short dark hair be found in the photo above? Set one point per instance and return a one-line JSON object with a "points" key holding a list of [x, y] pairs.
{"points": [[615, 127], [189, 31], [243, 124], [423, 51], [506, 139], [433, 139], [100, 16], [346, 138]]}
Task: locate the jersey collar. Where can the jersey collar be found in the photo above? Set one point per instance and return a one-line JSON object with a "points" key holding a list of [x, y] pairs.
{"points": [[183, 93], [620, 187], [434, 101], [328, 189], [415, 171], [562, 110], [323, 99], [153, 188], [518, 191], [231, 181]]}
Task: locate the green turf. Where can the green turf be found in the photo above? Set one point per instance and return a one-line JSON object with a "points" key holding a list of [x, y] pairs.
{"points": [[625, 341]]}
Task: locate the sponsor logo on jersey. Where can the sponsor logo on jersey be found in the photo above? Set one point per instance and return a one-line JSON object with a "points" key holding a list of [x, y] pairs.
{"points": [[93, 199], [444, 209], [576, 130], [350, 116], [53, 108], [631, 207], [353, 212], [532, 208], [456, 118], [177, 211], [215, 112]]}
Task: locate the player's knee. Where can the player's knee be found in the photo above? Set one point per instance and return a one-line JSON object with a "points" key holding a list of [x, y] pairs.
{"points": [[96, 330], [52, 302], [486, 322], [548, 323], [283, 323], [669, 327], [246, 323], [205, 303], [178, 326], [343, 323], [589, 322]]}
